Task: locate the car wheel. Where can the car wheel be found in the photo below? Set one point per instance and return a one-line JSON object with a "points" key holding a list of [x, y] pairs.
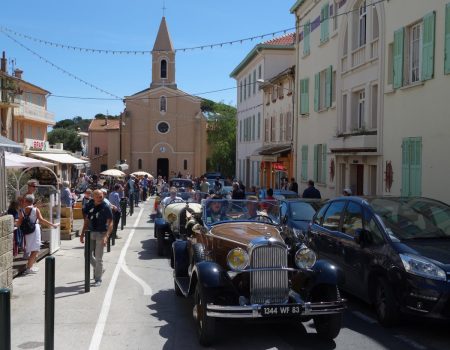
{"points": [[177, 289], [386, 306], [205, 324], [160, 240], [328, 326], [198, 253]]}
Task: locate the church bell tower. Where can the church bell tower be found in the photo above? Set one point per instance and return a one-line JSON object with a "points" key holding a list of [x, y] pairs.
{"points": [[163, 59]]}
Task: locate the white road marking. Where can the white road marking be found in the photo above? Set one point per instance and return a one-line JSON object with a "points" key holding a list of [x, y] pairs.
{"points": [[102, 318], [410, 342], [147, 289], [364, 317]]}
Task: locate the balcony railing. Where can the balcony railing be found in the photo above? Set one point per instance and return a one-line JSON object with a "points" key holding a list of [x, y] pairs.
{"points": [[374, 49], [344, 63], [358, 56], [34, 112]]}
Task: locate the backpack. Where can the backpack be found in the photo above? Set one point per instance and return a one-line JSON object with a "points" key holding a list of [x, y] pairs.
{"points": [[27, 226]]}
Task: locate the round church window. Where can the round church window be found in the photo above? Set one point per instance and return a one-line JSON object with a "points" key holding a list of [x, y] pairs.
{"points": [[163, 127]]}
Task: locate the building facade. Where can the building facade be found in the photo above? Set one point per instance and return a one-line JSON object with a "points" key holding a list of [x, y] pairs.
{"points": [[163, 130], [103, 144], [264, 61]]}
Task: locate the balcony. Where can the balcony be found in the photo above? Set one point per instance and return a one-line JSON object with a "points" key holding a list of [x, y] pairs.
{"points": [[374, 49], [355, 142], [359, 56], [30, 111]]}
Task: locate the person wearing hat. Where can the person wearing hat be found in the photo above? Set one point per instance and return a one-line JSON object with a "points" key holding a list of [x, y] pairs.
{"points": [[347, 192]]}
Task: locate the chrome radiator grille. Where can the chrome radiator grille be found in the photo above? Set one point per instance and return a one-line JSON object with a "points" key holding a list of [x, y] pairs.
{"points": [[268, 286]]}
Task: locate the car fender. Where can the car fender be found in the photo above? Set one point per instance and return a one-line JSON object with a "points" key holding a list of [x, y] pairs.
{"points": [[210, 275], [325, 273], [180, 258], [160, 222]]}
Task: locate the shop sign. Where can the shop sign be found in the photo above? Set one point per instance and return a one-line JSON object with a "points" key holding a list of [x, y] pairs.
{"points": [[278, 166], [34, 144]]}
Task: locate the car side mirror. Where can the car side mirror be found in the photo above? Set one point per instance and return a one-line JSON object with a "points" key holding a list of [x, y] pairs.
{"points": [[361, 237]]}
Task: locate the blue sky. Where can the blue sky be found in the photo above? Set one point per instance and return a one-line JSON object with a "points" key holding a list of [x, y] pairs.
{"points": [[133, 25]]}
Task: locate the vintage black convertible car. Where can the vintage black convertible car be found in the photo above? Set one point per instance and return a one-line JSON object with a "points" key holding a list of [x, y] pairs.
{"points": [[235, 264]]}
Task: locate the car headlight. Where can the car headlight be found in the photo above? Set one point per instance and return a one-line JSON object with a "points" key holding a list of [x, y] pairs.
{"points": [[422, 267], [171, 217], [305, 258], [238, 259], [298, 233]]}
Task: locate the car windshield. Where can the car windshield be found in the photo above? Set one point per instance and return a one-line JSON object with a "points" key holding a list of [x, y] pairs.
{"points": [[223, 210], [194, 196], [302, 211], [414, 218]]}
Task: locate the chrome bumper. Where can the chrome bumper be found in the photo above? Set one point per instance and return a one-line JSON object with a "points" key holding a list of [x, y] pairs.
{"points": [[254, 311]]}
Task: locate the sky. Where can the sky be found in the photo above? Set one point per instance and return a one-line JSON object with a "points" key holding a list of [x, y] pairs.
{"points": [[132, 25]]}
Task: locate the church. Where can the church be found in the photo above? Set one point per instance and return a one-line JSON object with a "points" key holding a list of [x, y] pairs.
{"points": [[163, 129]]}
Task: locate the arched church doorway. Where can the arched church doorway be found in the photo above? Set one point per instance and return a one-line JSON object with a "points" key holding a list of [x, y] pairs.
{"points": [[162, 166]]}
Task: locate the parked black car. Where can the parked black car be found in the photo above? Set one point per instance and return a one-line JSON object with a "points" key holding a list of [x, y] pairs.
{"points": [[393, 252]]}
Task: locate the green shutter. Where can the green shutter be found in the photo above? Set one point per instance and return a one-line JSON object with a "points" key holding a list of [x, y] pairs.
{"points": [[316, 91], [306, 31], [324, 23], [447, 40], [405, 167], [316, 161], [304, 96], [323, 177], [328, 86], [429, 22], [398, 58], [416, 166], [305, 163]]}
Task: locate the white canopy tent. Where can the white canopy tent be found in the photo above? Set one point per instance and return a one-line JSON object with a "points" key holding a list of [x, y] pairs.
{"points": [[63, 158], [14, 160]]}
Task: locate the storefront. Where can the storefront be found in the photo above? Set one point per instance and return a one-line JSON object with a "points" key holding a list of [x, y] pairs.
{"points": [[276, 164]]}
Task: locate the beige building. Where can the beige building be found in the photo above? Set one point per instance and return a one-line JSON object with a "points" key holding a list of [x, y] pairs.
{"points": [[103, 140], [163, 130]]}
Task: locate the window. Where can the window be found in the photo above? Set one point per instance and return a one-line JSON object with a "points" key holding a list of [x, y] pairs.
{"points": [[96, 151], [390, 64], [415, 33], [163, 69], [352, 219], [289, 126], [374, 103], [272, 129], [412, 166], [321, 213], [323, 89], [332, 218], [306, 38], [320, 163], [361, 109], [333, 88], [282, 128], [254, 81], [240, 131], [249, 85], [304, 163], [344, 113], [259, 72], [334, 15], [253, 128], [259, 126], [267, 95], [280, 91], [274, 93], [139, 164], [345, 48], [375, 236], [304, 96], [362, 28], [245, 89], [163, 127], [163, 104], [240, 91], [185, 164], [324, 23], [375, 24], [266, 130]]}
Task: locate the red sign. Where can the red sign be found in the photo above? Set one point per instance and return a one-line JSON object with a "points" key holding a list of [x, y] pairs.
{"points": [[278, 166], [38, 144]]}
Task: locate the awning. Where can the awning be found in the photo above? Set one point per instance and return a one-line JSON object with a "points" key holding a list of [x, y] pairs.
{"points": [[273, 149], [63, 158], [13, 160], [9, 145]]}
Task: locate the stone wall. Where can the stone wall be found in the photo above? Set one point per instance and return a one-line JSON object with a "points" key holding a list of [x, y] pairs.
{"points": [[6, 251]]}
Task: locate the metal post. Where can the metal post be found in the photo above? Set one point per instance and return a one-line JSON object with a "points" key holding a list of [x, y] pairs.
{"points": [[123, 207], [132, 205], [49, 338], [108, 245], [87, 262], [5, 319]]}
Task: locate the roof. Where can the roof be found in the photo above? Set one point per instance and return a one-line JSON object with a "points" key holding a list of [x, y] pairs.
{"points": [[296, 5], [163, 41], [285, 42], [23, 82], [273, 149], [99, 124], [9, 145]]}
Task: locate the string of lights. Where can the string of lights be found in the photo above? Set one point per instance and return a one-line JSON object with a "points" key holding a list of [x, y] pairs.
{"points": [[184, 49]]}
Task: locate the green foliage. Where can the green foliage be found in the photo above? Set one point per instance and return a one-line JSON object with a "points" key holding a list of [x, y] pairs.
{"points": [[221, 136], [76, 124], [68, 137], [103, 116]]}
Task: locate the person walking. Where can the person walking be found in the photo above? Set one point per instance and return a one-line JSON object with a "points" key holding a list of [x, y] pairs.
{"points": [[33, 238], [311, 191], [293, 186], [114, 199], [144, 185], [66, 195], [204, 185], [98, 219]]}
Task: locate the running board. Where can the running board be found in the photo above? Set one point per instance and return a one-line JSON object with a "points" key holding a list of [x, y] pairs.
{"points": [[183, 283]]}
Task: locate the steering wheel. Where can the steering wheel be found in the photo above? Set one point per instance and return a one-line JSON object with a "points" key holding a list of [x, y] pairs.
{"points": [[262, 218]]}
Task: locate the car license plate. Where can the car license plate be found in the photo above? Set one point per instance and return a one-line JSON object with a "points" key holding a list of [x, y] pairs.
{"points": [[280, 310]]}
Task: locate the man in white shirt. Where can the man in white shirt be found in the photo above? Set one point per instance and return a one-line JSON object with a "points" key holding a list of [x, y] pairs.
{"points": [[172, 198]]}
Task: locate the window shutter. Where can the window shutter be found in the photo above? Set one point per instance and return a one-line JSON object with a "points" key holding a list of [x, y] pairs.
{"points": [[405, 167], [305, 163], [398, 58], [316, 91], [316, 161], [324, 23], [328, 85], [429, 22], [306, 32], [323, 178], [416, 166], [447, 40], [304, 96]]}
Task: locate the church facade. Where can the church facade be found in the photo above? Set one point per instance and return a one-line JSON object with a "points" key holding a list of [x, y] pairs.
{"points": [[163, 130]]}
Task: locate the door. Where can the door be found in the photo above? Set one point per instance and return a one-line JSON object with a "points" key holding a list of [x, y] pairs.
{"points": [[360, 180], [162, 166]]}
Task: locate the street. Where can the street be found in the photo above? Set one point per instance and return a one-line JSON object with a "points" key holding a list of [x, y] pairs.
{"points": [[136, 308]]}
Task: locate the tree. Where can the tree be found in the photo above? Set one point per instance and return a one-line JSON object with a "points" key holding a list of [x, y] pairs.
{"points": [[68, 137], [221, 136], [77, 124]]}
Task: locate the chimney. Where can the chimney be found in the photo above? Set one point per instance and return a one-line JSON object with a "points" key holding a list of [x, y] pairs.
{"points": [[3, 63], [18, 73]]}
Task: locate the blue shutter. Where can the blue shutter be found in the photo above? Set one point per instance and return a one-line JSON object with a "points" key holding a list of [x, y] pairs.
{"points": [[328, 86], [398, 58], [324, 23], [429, 22], [323, 175], [316, 161], [416, 166], [447, 40], [405, 191], [305, 163], [306, 32], [304, 96], [316, 91]]}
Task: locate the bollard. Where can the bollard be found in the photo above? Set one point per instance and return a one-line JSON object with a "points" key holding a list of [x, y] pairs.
{"points": [[49, 338], [113, 236], [5, 319], [131, 206], [123, 208], [87, 262]]}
